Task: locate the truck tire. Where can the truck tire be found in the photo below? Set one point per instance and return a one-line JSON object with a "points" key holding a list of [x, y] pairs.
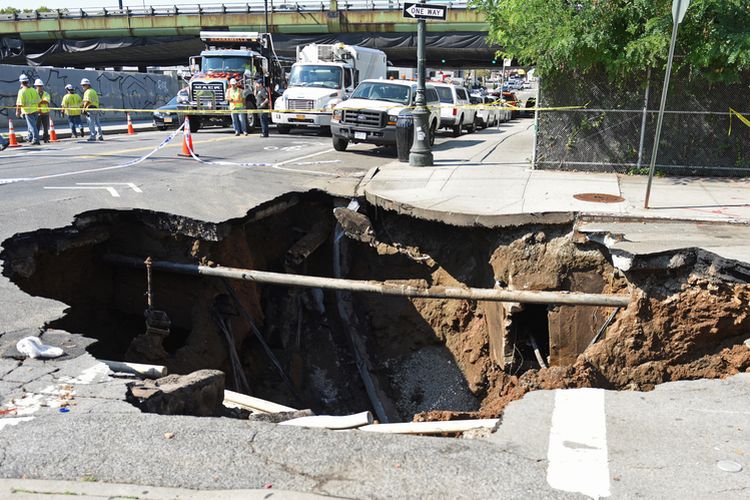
{"points": [[457, 129], [433, 133], [473, 127], [252, 116], [283, 129], [340, 144], [195, 123]]}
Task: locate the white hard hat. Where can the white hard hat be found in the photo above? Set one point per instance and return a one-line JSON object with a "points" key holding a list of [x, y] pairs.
{"points": [[232, 82], [68, 87], [38, 83], [23, 78], [85, 81]]}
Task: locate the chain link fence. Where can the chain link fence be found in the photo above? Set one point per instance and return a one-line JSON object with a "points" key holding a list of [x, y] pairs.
{"points": [[615, 131]]}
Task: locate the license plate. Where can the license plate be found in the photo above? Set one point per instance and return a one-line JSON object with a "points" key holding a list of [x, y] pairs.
{"points": [[167, 119], [300, 117], [360, 135]]}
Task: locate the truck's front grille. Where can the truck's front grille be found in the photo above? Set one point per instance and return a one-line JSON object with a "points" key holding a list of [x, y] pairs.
{"points": [[301, 104], [363, 117], [208, 93]]}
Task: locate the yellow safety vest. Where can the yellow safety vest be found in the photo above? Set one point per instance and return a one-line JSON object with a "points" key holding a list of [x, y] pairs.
{"points": [[44, 106], [28, 99], [92, 97], [72, 104], [235, 98]]}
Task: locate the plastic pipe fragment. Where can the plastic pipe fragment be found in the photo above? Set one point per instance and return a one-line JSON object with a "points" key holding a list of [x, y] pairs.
{"points": [[235, 399], [148, 371], [332, 422], [432, 427]]}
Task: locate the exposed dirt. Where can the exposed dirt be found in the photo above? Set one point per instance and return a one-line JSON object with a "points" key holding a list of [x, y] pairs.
{"points": [[434, 359]]}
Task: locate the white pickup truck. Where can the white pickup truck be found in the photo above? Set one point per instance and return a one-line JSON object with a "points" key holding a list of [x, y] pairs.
{"points": [[323, 76], [370, 114], [456, 110]]}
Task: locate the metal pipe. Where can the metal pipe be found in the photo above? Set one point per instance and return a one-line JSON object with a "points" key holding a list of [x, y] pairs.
{"points": [[643, 119], [382, 288]]}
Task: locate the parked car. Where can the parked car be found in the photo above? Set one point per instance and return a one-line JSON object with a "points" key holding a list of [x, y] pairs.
{"points": [[487, 114], [455, 110], [370, 114], [166, 116], [511, 100], [530, 103]]}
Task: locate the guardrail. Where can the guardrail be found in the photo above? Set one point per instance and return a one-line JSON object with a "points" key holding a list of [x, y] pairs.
{"points": [[220, 8]]}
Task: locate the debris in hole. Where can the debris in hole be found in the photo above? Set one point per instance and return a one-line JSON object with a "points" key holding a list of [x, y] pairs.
{"points": [[149, 346], [199, 394]]}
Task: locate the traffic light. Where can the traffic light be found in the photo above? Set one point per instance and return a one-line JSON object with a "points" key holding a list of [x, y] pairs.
{"points": [[442, 61], [494, 61]]}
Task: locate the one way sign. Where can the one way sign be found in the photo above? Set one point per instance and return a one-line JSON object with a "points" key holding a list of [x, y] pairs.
{"points": [[425, 11]]}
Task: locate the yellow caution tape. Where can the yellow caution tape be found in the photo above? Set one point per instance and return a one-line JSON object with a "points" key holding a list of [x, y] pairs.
{"points": [[733, 112]]}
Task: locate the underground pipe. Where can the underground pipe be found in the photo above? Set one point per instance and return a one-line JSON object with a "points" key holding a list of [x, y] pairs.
{"points": [[432, 427], [332, 422], [383, 288], [254, 404]]}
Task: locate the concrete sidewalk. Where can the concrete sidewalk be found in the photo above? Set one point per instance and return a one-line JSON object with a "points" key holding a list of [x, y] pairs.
{"points": [[485, 179]]}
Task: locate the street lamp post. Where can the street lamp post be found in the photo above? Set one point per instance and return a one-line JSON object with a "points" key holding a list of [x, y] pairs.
{"points": [[421, 153]]}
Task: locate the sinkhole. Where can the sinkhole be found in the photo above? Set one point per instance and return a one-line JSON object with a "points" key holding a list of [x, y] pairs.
{"points": [[334, 351]]}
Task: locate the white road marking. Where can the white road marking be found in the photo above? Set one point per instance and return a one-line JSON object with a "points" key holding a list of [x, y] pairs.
{"points": [[577, 453], [4, 422], [111, 190], [129, 184]]}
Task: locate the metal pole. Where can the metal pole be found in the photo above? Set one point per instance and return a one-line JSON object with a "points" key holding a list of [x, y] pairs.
{"points": [[643, 120], [265, 10], [382, 288], [659, 121], [421, 153], [536, 124]]}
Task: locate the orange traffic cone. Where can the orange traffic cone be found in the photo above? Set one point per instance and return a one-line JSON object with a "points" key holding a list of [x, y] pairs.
{"points": [[131, 130], [52, 133], [187, 141], [12, 135]]}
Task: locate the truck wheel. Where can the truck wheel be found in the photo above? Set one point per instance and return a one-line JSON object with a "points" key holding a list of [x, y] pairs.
{"points": [[433, 133], [473, 127], [195, 124], [283, 129], [458, 128], [252, 116], [340, 144]]}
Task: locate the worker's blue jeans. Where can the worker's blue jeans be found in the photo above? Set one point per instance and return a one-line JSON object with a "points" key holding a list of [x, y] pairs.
{"points": [[95, 128], [31, 119], [239, 122]]}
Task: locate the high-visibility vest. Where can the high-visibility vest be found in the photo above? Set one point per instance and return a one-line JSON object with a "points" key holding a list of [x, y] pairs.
{"points": [[72, 104], [44, 106], [235, 98], [28, 99], [92, 97]]}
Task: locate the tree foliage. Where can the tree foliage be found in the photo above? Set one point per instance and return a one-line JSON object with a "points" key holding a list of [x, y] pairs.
{"points": [[619, 36]]}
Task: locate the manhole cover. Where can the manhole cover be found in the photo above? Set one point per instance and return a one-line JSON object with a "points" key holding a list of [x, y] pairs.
{"points": [[599, 197]]}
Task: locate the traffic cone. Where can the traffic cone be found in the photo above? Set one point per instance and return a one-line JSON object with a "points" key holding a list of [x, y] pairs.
{"points": [[52, 133], [187, 141], [12, 135], [131, 130]]}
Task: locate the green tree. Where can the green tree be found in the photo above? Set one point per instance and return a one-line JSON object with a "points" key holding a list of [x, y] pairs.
{"points": [[618, 36]]}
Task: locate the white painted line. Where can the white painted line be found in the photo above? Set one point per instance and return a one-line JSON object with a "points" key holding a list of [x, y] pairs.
{"points": [[129, 184], [577, 453], [4, 422], [111, 190]]}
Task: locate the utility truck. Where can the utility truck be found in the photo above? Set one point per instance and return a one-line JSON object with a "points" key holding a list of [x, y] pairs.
{"points": [[323, 76], [243, 56]]}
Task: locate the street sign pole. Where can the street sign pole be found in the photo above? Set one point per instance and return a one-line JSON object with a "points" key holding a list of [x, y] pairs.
{"points": [[679, 7], [421, 153]]}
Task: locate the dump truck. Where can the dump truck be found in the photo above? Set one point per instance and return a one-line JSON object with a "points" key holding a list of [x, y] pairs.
{"points": [[243, 56]]}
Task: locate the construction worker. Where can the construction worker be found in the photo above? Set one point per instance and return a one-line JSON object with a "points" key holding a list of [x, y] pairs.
{"points": [[42, 120], [71, 105], [236, 101], [91, 110], [262, 101], [27, 104]]}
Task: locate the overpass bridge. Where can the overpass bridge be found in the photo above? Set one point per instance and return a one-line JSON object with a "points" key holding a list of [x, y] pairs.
{"points": [[64, 36]]}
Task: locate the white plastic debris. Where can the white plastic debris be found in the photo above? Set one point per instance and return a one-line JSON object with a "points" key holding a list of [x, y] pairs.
{"points": [[33, 348]]}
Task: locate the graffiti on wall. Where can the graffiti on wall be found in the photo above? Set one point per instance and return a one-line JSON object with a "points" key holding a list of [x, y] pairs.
{"points": [[116, 89]]}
